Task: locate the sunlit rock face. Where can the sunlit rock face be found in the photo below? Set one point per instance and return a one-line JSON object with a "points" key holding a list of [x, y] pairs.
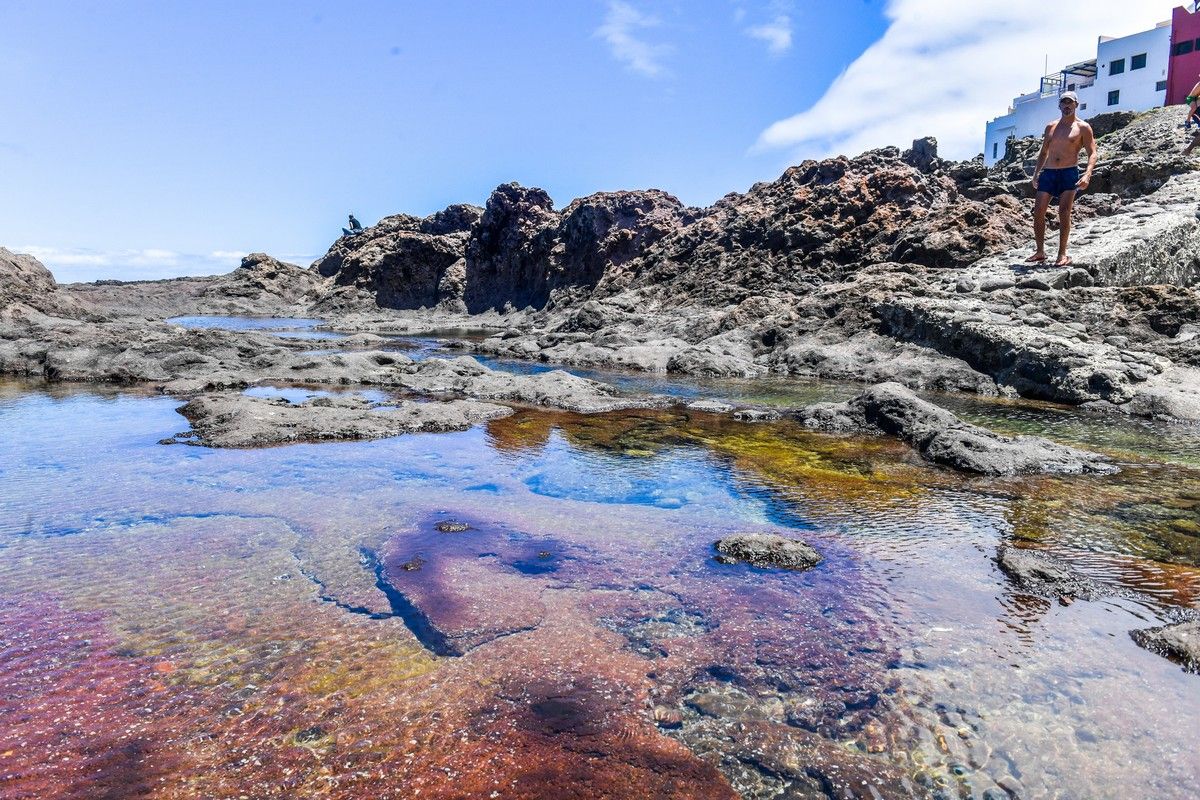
{"points": [[401, 261], [820, 221]]}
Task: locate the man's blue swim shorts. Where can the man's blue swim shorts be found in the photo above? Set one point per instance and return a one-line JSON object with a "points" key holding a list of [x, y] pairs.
{"points": [[1057, 181]]}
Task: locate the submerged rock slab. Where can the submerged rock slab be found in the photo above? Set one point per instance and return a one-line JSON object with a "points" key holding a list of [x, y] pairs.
{"points": [[767, 550], [460, 584], [458, 604], [1042, 575], [1179, 642], [941, 437], [237, 420]]}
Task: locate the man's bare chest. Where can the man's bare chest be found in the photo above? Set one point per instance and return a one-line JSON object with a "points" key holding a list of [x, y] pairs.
{"points": [[1065, 137]]}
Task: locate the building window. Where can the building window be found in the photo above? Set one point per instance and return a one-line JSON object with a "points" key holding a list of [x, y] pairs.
{"points": [[995, 149], [1114, 97], [1183, 48], [1116, 67], [1083, 107], [1161, 86], [1137, 62]]}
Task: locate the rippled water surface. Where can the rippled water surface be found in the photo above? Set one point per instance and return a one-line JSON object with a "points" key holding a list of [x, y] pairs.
{"points": [[530, 609]]}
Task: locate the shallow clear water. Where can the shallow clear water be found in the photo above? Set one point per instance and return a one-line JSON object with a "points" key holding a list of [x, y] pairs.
{"points": [[183, 622], [300, 394], [281, 324]]}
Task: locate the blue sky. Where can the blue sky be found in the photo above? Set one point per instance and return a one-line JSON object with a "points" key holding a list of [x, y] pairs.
{"points": [[148, 139]]}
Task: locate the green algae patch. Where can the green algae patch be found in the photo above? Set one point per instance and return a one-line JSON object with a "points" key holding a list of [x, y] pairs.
{"points": [[780, 455], [854, 469]]}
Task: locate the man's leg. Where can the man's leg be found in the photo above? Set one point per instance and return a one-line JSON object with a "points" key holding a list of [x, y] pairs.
{"points": [[1065, 204], [1039, 225], [1195, 141]]}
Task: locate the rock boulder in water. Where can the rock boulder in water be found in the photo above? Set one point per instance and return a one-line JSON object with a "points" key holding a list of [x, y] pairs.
{"points": [[767, 550], [1045, 576]]}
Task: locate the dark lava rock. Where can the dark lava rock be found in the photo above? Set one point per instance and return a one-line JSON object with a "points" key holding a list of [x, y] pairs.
{"points": [[401, 261], [923, 155], [766, 550], [1179, 642], [941, 437], [509, 250], [1045, 576]]}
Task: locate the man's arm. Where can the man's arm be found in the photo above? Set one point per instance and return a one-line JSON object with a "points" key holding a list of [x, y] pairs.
{"points": [[1045, 152], [1089, 146]]}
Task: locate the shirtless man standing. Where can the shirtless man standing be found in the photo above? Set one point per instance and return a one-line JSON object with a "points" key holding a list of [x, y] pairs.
{"points": [[1057, 175]]}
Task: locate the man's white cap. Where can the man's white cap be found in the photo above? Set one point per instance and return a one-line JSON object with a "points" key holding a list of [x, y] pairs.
{"points": [[1069, 96]]}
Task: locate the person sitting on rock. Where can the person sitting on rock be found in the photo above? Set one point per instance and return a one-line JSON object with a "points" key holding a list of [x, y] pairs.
{"points": [[354, 229], [1057, 175]]}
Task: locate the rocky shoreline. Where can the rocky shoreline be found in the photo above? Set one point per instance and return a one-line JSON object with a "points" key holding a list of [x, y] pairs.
{"points": [[889, 266]]}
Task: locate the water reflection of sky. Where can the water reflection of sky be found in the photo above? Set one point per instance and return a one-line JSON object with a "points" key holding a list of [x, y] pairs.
{"points": [[1055, 690], [246, 323]]}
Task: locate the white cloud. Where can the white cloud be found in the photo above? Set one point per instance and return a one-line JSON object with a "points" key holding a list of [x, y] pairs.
{"points": [[153, 257], [777, 34], [946, 67], [73, 265], [620, 30], [70, 258]]}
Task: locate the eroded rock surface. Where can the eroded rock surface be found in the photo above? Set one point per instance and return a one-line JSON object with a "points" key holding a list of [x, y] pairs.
{"points": [[238, 420], [260, 286], [27, 289]]}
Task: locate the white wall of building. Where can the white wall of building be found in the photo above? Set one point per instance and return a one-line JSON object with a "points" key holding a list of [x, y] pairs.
{"points": [[1137, 90]]}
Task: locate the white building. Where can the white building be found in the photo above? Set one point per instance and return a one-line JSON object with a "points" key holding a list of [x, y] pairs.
{"points": [[1127, 74]]}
